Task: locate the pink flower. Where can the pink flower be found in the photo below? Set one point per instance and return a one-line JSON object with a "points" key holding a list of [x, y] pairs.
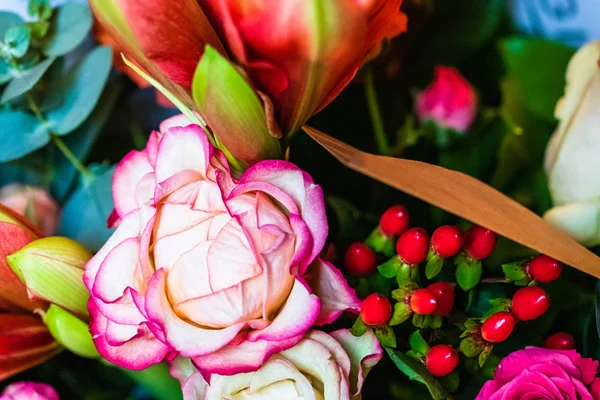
{"points": [[449, 101], [29, 391], [217, 269], [320, 366], [536, 373], [34, 203]]}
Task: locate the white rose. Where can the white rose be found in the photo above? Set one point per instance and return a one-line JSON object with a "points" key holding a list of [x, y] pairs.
{"points": [[573, 155], [320, 367]]}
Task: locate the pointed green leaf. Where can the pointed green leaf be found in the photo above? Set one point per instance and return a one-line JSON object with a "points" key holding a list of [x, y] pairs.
{"points": [[233, 110], [497, 305], [434, 266], [401, 313], [386, 336], [484, 355], [389, 269], [52, 270], [514, 271], [71, 332], [417, 343], [25, 80], [8, 20], [433, 321], [416, 371], [405, 288], [69, 27], [451, 381], [21, 134], [468, 274], [419, 321], [80, 89], [471, 346]]}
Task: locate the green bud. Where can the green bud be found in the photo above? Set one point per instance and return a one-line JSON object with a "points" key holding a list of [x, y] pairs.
{"points": [[71, 332], [52, 270]]}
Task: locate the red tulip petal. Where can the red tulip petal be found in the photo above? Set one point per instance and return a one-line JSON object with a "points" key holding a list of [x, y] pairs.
{"points": [[172, 34]]}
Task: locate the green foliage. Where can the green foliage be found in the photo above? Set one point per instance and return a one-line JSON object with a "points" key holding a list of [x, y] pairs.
{"points": [[25, 80], [417, 343], [21, 134], [16, 41], [468, 274], [70, 25], [386, 336]]}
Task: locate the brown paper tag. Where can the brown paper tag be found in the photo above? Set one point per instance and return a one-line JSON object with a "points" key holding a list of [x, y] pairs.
{"points": [[465, 197]]}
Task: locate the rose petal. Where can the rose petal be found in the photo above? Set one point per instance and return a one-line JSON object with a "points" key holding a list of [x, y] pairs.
{"points": [[128, 174]]}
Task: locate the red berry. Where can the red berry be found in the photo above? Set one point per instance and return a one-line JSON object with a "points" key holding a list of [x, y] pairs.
{"points": [[559, 341], [412, 246], [441, 359], [530, 303], [423, 302], [479, 242], [360, 259], [544, 269], [376, 310], [394, 220], [444, 293], [497, 327], [447, 240]]}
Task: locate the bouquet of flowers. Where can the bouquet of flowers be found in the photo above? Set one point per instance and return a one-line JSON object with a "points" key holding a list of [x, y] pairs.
{"points": [[176, 224]]}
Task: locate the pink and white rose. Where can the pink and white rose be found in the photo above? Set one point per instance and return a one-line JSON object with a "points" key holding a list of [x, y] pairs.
{"points": [[320, 367], [217, 269]]}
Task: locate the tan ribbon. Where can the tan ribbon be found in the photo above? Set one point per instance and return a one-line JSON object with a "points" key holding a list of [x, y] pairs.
{"points": [[465, 197]]}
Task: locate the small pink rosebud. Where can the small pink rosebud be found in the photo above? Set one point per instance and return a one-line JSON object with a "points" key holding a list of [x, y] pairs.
{"points": [[32, 202], [29, 391], [449, 101]]}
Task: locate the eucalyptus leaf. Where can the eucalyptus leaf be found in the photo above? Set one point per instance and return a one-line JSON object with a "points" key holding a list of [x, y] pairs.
{"points": [[21, 134], [416, 371], [5, 72], [84, 215], [25, 81], [70, 25], [16, 40], [9, 20], [80, 88]]}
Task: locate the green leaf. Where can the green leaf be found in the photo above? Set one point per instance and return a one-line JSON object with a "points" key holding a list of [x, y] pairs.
{"points": [[451, 381], [389, 269], [70, 25], [497, 305], [9, 20], [537, 67], [80, 88], [484, 355], [80, 143], [71, 332], [359, 327], [25, 81], [468, 274], [233, 110], [6, 73], [17, 40], [417, 343], [416, 371], [434, 266], [514, 271], [38, 29], [401, 313], [381, 243], [419, 321], [39, 9], [471, 346], [386, 336], [84, 215], [406, 287], [21, 134], [433, 321]]}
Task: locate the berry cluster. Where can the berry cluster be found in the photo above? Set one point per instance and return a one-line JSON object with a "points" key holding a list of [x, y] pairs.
{"points": [[453, 260]]}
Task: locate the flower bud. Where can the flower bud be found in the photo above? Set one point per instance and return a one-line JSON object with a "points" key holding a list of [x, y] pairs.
{"points": [[24, 343], [34, 203], [71, 332], [449, 101], [572, 158], [29, 391], [52, 270]]}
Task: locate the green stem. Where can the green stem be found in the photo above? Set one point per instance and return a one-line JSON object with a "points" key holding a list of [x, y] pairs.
{"points": [[157, 380], [57, 140], [381, 140]]}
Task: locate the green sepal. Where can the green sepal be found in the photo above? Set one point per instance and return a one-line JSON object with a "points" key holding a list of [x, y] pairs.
{"points": [[484, 355], [404, 289], [417, 343], [381, 243], [434, 265], [401, 313], [433, 321], [386, 336], [71, 332], [468, 274], [359, 327], [497, 305], [389, 269], [471, 346], [407, 272], [419, 321], [415, 355]]}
